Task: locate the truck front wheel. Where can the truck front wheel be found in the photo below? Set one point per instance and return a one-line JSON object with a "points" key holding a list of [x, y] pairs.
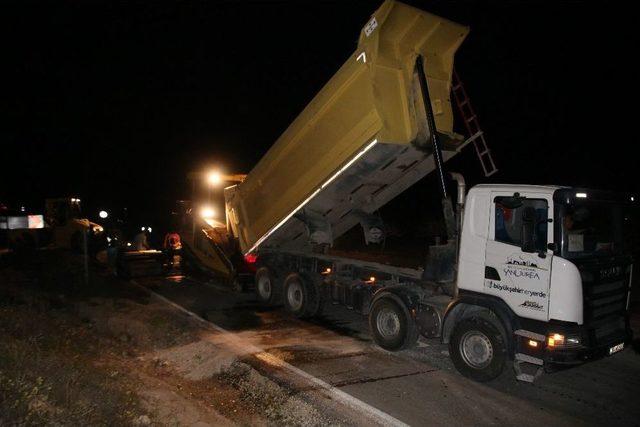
{"points": [[478, 349], [391, 325]]}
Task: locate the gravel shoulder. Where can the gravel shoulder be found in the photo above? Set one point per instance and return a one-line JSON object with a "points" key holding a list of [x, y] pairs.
{"points": [[108, 353]]}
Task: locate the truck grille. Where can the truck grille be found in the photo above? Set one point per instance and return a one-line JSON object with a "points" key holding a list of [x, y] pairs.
{"points": [[605, 290]]}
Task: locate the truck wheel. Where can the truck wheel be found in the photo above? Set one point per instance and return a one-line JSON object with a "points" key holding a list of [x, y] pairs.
{"points": [[268, 289], [315, 295], [478, 349], [299, 298], [391, 325]]}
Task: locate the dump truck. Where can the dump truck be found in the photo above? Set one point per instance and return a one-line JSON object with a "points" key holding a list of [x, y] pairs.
{"points": [[537, 276]]}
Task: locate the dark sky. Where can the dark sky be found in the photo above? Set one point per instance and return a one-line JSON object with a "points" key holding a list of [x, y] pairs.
{"points": [[117, 101]]}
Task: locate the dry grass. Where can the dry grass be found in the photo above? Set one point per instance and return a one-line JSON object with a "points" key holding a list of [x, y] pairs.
{"points": [[50, 373], [52, 365]]}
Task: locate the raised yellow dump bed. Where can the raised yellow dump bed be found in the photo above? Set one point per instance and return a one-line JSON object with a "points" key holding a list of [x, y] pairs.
{"points": [[360, 142]]}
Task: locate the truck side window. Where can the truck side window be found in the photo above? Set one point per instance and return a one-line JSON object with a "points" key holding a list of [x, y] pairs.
{"points": [[508, 222]]}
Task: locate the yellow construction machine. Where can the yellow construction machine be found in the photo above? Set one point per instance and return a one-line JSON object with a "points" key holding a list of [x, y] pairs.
{"points": [[64, 216]]}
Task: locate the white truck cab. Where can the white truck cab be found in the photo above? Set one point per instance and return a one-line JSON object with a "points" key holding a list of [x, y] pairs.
{"points": [[553, 268]]}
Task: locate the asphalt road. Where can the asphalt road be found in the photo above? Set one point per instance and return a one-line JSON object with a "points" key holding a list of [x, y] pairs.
{"points": [[419, 386]]}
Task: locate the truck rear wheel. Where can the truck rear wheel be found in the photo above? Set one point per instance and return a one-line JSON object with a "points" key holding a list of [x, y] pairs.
{"points": [[301, 296], [317, 296], [268, 290], [391, 325], [478, 349]]}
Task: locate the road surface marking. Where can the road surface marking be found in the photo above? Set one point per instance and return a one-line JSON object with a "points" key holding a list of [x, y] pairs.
{"points": [[337, 395]]}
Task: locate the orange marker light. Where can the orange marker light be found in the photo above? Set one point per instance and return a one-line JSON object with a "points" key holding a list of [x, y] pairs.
{"points": [[533, 343], [555, 340]]}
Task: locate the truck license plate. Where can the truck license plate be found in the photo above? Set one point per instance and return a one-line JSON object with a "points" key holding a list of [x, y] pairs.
{"points": [[616, 348]]}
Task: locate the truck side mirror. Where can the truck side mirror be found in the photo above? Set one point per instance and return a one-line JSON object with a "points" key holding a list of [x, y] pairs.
{"points": [[528, 231]]}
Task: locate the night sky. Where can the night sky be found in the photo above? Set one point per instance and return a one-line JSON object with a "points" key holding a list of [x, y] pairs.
{"points": [[117, 101]]}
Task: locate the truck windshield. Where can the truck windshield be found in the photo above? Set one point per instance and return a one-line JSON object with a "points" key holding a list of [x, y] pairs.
{"points": [[593, 229]]}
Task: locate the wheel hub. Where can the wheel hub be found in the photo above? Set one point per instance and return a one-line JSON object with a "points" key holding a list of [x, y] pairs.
{"points": [[388, 323], [476, 349], [295, 296], [264, 287]]}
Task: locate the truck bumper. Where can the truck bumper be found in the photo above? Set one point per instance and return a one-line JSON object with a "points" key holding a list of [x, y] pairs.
{"points": [[575, 356], [591, 346]]}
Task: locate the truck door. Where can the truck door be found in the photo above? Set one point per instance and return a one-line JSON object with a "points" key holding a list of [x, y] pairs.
{"points": [[519, 278]]}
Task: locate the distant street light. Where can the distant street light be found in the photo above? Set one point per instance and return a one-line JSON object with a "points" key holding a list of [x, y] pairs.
{"points": [[103, 214]]}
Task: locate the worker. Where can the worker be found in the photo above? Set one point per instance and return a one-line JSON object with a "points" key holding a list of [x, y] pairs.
{"points": [[172, 241], [140, 242], [172, 245], [577, 237]]}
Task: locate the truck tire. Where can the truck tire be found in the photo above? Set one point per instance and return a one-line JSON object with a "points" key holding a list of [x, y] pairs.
{"points": [[300, 298], [478, 349], [268, 289], [315, 295], [391, 325]]}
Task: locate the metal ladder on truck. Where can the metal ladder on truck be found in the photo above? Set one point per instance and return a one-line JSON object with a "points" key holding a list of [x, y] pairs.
{"points": [[471, 123]]}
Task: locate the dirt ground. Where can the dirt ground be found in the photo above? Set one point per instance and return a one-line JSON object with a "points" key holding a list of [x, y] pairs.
{"points": [[106, 353]]}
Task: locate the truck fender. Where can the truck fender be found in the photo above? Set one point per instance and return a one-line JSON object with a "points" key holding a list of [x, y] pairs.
{"points": [[403, 295], [427, 319], [468, 305]]}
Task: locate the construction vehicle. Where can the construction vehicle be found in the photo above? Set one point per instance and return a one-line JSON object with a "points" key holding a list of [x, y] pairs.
{"points": [[62, 225], [209, 249], [536, 275], [64, 216]]}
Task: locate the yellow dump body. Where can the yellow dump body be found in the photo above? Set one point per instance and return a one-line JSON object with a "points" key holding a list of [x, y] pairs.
{"points": [[368, 114]]}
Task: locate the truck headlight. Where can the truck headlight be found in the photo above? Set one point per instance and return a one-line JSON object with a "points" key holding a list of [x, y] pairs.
{"points": [[558, 340]]}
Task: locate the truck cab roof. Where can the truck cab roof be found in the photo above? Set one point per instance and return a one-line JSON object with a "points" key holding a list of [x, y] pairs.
{"points": [[520, 188], [563, 194]]}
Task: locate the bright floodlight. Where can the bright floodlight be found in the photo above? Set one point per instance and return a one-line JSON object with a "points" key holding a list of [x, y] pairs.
{"points": [[214, 178], [103, 214], [207, 212]]}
